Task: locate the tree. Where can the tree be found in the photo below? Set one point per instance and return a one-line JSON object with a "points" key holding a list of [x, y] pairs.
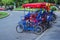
{"points": [[40, 0], [30, 1], [5, 2], [51, 1], [19, 2], [34, 1], [56, 1], [0, 2]]}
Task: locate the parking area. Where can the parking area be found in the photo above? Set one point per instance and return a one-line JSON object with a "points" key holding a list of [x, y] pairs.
{"points": [[53, 33], [8, 29]]}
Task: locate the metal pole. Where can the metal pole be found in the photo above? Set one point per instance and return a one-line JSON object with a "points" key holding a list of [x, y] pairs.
{"points": [[24, 11]]}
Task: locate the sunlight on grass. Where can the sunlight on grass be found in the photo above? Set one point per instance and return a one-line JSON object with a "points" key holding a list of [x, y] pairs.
{"points": [[3, 14]]}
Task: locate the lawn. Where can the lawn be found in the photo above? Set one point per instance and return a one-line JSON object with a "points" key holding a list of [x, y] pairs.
{"points": [[20, 8], [3, 14]]}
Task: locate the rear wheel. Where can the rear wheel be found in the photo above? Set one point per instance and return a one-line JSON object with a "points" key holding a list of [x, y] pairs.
{"points": [[49, 24], [54, 17], [38, 30], [45, 27], [19, 28]]}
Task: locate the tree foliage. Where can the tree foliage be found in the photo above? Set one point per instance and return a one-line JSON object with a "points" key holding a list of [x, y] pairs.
{"points": [[7, 1], [40, 0], [20, 2], [56, 1]]}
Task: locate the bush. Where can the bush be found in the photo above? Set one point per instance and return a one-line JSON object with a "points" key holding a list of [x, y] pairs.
{"points": [[54, 8]]}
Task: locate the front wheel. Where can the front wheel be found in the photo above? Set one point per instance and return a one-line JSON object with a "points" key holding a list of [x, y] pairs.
{"points": [[19, 28]]}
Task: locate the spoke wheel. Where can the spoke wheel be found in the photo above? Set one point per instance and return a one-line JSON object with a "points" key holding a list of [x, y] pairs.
{"points": [[45, 27], [38, 30], [54, 17], [19, 28]]}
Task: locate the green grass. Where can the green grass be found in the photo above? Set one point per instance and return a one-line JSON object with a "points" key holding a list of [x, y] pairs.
{"points": [[20, 8], [3, 14]]}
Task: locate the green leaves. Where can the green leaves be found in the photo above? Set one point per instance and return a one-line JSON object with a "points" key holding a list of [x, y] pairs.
{"points": [[7, 1], [20, 2], [40, 0], [56, 1]]}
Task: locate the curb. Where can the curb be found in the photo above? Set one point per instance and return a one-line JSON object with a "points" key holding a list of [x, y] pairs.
{"points": [[5, 16], [38, 38]]}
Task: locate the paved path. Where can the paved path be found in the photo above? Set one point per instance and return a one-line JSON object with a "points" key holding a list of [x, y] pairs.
{"points": [[52, 33], [8, 28]]}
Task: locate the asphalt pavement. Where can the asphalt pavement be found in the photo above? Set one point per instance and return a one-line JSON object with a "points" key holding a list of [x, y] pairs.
{"points": [[52, 33], [8, 29]]}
